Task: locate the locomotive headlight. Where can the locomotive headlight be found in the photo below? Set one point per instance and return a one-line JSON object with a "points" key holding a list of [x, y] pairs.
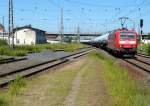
{"points": [[132, 42], [122, 42]]}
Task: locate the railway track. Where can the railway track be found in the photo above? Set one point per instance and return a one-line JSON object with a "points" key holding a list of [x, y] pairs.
{"points": [[141, 61], [143, 55], [9, 60], [7, 77]]}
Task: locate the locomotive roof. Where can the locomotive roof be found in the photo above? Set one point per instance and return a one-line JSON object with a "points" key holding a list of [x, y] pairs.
{"points": [[123, 29]]}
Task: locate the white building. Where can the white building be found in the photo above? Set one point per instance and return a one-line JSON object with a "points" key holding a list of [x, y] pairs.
{"points": [[28, 35]]}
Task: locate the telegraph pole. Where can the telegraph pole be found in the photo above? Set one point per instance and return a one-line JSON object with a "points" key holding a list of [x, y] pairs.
{"points": [[62, 25], [78, 34], [11, 23], [3, 27]]}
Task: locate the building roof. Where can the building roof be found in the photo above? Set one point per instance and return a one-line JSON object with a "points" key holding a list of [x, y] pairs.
{"points": [[29, 27]]}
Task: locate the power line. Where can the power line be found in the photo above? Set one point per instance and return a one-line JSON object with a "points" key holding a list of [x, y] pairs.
{"points": [[139, 6], [96, 5]]}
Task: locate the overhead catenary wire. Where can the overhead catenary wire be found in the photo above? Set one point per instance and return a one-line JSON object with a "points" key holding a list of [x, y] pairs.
{"points": [[85, 8]]}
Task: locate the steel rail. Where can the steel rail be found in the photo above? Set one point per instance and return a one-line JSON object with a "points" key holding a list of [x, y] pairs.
{"points": [[6, 78]]}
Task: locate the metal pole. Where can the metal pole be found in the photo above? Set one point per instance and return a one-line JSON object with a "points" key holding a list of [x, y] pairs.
{"points": [[141, 32], [11, 22], [3, 27], [62, 24], [78, 34], [141, 45]]}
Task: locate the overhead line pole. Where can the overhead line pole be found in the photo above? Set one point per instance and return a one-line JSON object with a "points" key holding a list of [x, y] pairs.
{"points": [[11, 24], [62, 24], [78, 34], [3, 26]]}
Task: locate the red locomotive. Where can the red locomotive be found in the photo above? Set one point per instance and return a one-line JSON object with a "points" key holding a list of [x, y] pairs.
{"points": [[121, 42]]}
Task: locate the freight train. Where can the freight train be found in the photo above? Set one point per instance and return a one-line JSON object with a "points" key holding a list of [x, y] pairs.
{"points": [[120, 42]]}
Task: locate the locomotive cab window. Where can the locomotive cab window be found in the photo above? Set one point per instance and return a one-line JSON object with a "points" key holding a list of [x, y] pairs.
{"points": [[126, 35]]}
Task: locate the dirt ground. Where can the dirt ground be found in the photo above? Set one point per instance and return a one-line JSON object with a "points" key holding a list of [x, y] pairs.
{"points": [[78, 83]]}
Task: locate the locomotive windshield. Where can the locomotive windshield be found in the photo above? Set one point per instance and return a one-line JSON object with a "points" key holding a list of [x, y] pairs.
{"points": [[127, 35]]}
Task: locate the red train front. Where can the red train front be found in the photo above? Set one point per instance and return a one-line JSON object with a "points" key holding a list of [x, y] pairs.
{"points": [[123, 42]]}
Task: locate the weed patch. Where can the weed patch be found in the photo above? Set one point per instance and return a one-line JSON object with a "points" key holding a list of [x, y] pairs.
{"points": [[16, 87], [24, 50]]}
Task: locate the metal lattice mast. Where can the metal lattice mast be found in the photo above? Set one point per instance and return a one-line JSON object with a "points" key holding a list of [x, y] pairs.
{"points": [[3, 27], [78, 34], [11, 23], [62, 24]]}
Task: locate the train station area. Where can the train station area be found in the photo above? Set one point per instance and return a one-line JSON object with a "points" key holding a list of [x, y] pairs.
{"points": [[74, 53], [79, 76]]}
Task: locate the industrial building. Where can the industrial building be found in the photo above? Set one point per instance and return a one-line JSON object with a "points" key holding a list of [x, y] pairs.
{"points": [[28, 35]]}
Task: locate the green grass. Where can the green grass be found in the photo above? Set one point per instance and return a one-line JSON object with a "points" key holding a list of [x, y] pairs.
{"points": [[66, 47], [24, 50], [4, 101], [30, 48], [124, 90], [60, 87], [15, 88], [53, 87], [92, 90], [5, 50]]}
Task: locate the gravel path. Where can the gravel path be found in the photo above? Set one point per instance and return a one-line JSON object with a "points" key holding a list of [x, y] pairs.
{"points": [[70, 99]]}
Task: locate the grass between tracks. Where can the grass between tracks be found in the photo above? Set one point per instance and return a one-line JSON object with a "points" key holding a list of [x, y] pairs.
{"points": [[124, 90], [102, 77], [46, 90], [93, 91], [15, 88], [54, 93]]}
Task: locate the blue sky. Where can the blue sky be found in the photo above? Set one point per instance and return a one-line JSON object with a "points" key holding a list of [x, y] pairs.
{"points": [[90, 15]]}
